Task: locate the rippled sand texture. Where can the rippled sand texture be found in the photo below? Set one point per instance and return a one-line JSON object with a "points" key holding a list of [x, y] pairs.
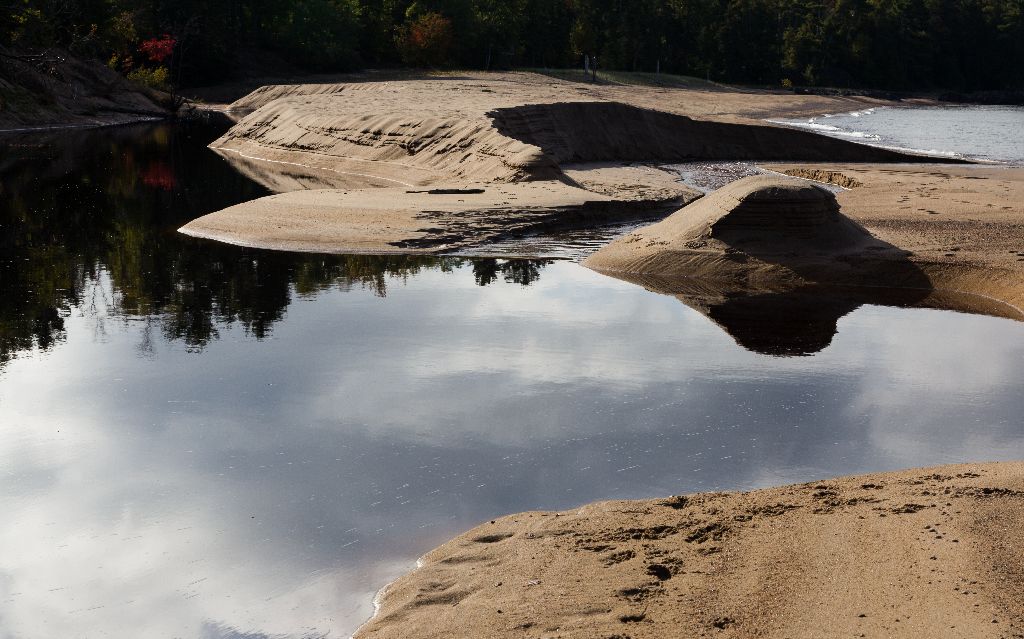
{"points": [[920, 553]]}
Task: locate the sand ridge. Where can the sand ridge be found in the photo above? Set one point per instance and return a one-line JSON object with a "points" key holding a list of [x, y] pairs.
{"points": [[926, 552]]}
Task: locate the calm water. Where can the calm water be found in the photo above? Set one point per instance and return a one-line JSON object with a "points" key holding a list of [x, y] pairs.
{"points": [[199, 440], [994, 133]]}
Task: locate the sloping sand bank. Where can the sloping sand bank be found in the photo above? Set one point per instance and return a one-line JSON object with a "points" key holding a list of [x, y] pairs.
{"points": [[514, 127], [933, 552], [939, 227], [962, 225]]}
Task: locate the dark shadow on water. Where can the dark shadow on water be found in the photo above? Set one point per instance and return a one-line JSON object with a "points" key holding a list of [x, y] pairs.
{"points": [[803, 321], [88, 221]]}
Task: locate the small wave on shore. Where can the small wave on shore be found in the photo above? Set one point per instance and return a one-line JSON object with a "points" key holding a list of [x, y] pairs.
{"points": [[955, 132]]}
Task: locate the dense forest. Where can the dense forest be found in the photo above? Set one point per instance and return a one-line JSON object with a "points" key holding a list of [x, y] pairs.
{"points": [[892, 44]]}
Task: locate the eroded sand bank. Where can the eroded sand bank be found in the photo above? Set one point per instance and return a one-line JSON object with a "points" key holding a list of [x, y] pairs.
{"points": [[933, 552], [963, 225]]}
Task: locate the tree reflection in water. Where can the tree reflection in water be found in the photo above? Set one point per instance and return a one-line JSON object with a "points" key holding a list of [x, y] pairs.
{"points": [[94, 213]]}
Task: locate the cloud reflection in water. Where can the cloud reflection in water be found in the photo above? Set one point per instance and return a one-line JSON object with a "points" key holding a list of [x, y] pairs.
{"points": [[268, 487]]}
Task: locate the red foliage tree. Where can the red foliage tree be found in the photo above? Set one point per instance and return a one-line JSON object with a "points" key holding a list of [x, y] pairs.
{"points": [[158, 49], [427, 40]]}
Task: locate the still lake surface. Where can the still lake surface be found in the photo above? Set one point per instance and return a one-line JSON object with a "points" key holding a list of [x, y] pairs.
{"points": [[200, 440]]}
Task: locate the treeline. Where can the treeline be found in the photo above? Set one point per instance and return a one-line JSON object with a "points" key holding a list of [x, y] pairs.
{"points": [[893, 44]]}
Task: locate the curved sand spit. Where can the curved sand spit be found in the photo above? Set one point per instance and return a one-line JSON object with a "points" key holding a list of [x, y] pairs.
{"points": [[442, 218], [761, 231], [920, 553]]}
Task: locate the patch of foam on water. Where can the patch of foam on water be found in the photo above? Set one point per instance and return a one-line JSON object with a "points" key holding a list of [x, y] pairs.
{"points": [[933, 152], [711, 176], [377, 599]]}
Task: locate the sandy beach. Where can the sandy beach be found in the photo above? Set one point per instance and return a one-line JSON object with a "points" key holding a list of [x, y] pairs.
{"points": [[553, 319], [933, 552]]}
